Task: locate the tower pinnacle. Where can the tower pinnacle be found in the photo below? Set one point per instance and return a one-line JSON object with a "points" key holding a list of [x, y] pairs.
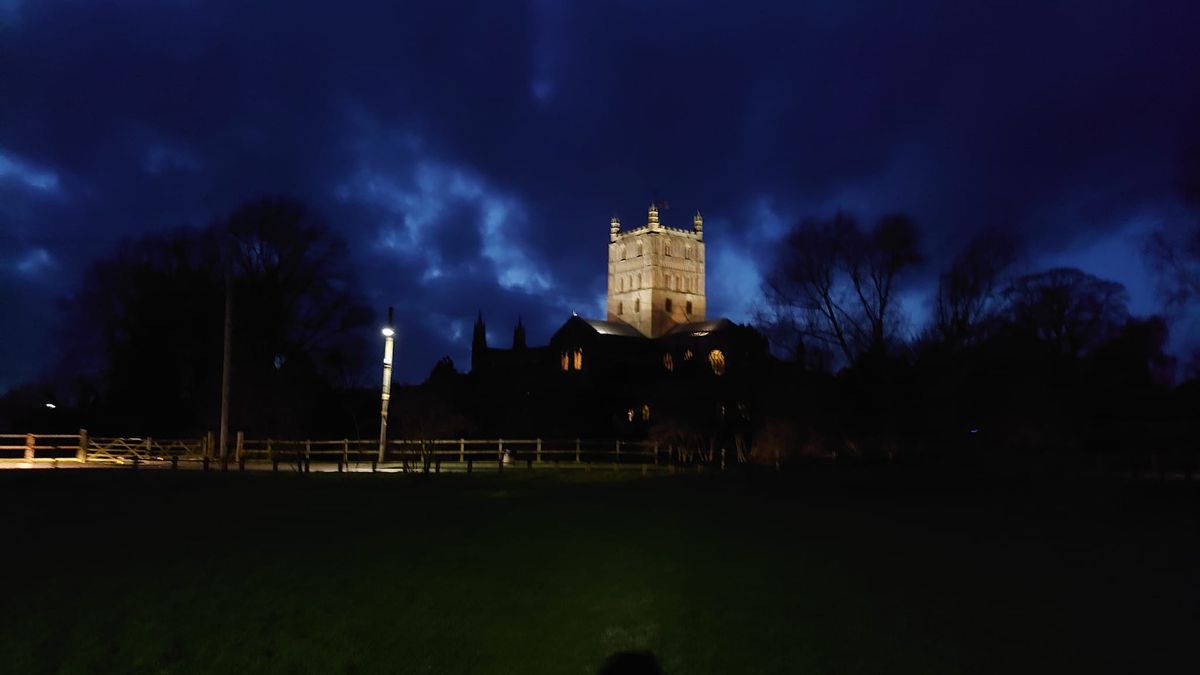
{"points": [[653, 217], [614, 226]]}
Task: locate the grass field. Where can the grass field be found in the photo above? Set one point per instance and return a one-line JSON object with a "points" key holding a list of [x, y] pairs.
{"points": [[154, 572]]}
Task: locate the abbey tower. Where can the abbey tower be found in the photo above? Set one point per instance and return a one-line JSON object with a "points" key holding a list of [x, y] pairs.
{"points": [[656, 275]]}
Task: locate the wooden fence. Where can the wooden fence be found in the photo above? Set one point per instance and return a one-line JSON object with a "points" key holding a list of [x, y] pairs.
{"points": [[428, 455]]}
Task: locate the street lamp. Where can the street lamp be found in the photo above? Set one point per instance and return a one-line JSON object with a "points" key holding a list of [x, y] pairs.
{"points": [[389, 337]]}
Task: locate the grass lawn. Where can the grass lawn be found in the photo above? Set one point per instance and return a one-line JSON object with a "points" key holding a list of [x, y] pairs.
{"points": [[154, 572]]}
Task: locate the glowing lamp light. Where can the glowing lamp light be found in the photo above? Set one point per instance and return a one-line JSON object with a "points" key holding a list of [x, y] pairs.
{"points": [[388, 331], [51, 406]]}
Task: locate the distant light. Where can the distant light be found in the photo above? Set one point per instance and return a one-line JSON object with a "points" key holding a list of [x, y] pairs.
{"points": [[51, 406], [388, 331], [975, 431]]}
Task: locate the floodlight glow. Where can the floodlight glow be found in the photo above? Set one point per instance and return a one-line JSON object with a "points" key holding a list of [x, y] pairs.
{"points": [[51, 406], [388, 331]]}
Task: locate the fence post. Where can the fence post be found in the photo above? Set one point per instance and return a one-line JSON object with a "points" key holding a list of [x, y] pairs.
{"points": [[345, 461], [29, 443], [500, 454], [462, 451], [307, 455], [539, 451], [81, 455], [240, 451], [576, 450]]}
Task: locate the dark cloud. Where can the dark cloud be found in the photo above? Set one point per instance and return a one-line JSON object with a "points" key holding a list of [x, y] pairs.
{"points": [[472, 152]]}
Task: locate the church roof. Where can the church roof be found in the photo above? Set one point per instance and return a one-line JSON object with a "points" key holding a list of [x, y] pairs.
{"points": [[613, 328], [701, 327], [577, 325]]}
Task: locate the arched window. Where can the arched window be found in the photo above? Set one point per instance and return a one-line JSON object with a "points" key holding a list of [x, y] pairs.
{"points": [[620, 308], [646, 412], [639, 249], [622, 284], [667, 248], [566, 363], [669, 362], [689, 307], [716, 359], [637, 305], [667, 304], [579, 359]]}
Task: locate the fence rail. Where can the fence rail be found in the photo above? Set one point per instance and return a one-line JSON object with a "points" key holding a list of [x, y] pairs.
{"points": [[460, 454]]}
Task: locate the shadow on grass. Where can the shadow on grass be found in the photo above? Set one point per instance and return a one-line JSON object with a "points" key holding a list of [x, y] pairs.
{"points": [[631, 663]]}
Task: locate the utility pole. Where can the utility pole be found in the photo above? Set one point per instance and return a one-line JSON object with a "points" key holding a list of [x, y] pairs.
{"points": [[226, 359], [389, 336]]}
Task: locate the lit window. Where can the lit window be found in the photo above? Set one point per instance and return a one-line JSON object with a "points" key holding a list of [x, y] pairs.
{"points": [[620, 308], [566, 362], [646, 413], [687, 355], [579, 359], [667, 304], [689, 307], [669, 363], [629, 415], [716, 359]]}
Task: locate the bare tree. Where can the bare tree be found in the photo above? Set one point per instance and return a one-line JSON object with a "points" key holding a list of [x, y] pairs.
{"points": [[970, 292], [835, 285], [1174, 254], [1068, 309]]}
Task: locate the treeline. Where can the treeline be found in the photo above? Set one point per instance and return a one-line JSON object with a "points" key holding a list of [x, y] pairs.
{"points": [[141, 342], [1044, 364]]}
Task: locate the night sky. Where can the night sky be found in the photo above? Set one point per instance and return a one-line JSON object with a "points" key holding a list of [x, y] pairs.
{"points": [[472, 153]]}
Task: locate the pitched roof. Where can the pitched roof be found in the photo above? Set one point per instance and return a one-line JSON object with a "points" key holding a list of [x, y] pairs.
{"points": [[701, 327], [613, 328]]}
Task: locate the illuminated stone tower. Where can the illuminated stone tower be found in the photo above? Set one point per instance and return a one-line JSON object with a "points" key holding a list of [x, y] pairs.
{"points": [[656, 275]]}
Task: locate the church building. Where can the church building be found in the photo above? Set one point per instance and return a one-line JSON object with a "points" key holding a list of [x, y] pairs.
{"points": [[656, 358]]}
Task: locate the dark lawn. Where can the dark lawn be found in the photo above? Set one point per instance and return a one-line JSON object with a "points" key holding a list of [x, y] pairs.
{"points": [[112, 571]]}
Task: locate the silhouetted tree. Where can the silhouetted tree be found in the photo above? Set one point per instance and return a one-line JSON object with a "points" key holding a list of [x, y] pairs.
{"points": [[835, 285], [146, 326], [1067, 309], [1174, 253], [970, 292]]}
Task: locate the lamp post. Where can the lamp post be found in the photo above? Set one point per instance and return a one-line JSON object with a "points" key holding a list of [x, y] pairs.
{"points": [[389, 336]]}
